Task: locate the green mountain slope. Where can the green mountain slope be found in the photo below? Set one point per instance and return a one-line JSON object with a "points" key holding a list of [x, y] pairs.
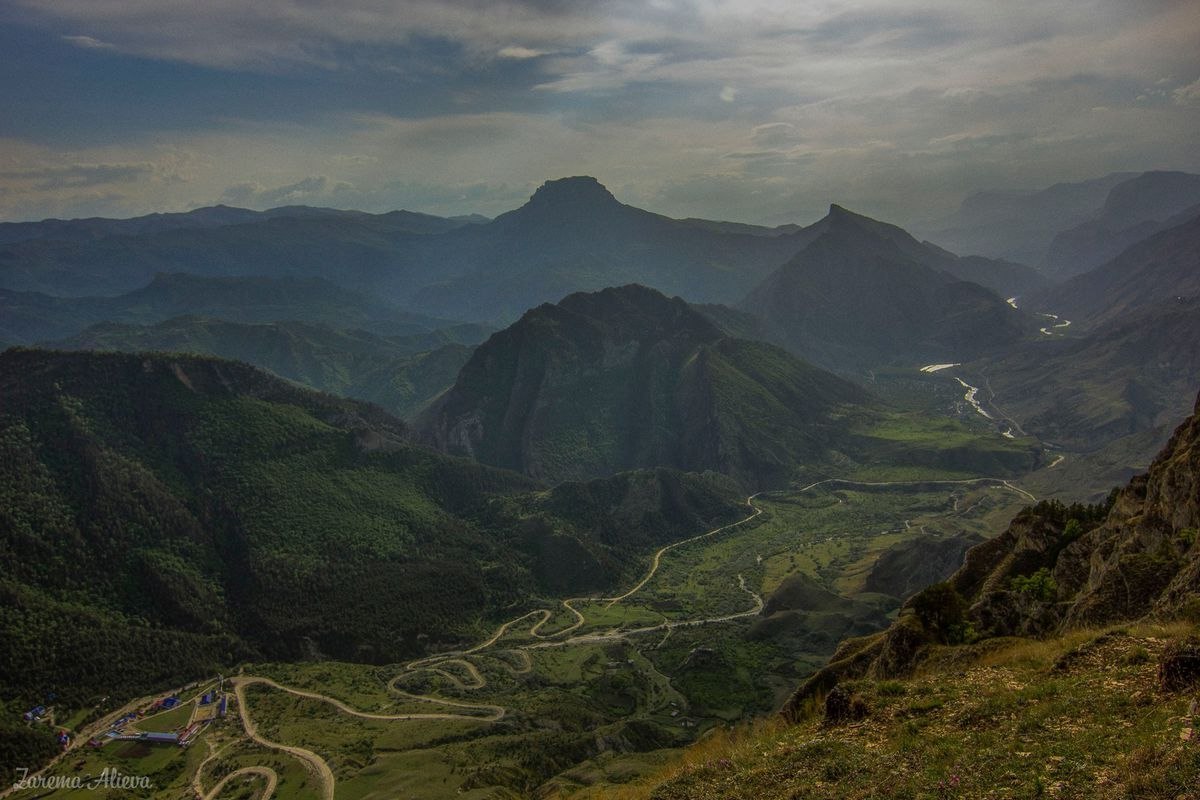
{"points": [[355, 364], [165, 515], [627, 378]]}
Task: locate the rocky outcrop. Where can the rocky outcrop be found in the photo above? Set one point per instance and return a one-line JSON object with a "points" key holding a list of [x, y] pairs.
{"points": [[1056, 568]]}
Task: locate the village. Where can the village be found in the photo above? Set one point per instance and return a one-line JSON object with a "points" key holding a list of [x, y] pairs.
{"points": [[168, 720]]}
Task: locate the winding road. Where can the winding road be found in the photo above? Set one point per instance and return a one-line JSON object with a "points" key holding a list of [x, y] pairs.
{"points": [[440, 664], [315, 763], [262, 772], [658, 555]]}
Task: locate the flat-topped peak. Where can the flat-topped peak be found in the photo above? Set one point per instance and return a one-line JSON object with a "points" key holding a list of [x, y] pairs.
{"points": [[580, 189]]}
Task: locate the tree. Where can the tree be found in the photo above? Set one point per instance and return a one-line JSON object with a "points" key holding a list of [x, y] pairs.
{"points": [[940, 610]]}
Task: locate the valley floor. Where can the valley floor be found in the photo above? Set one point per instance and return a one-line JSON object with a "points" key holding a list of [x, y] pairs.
{"points": [[584, 691]]}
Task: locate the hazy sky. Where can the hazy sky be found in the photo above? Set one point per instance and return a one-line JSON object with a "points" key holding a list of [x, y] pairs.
{"points": [[757, 110]]}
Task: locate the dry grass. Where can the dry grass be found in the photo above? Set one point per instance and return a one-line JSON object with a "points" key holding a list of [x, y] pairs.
{"points": [[1076, 716]]}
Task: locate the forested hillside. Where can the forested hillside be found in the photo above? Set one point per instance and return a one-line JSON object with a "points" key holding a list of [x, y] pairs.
{"points": [[166, 515]]}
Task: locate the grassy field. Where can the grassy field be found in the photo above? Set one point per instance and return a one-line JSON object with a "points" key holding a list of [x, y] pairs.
{"points": [[171, 720]]}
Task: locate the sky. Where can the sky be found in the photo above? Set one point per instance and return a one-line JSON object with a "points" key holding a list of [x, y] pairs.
{"points": [[758, 111]]}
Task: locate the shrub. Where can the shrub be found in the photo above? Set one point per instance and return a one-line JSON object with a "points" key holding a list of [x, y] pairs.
{"points": [[940, 610], [1040, 585], [1179, 667]]}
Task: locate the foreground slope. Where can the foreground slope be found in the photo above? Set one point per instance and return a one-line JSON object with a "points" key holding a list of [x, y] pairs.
{"points": [[1084, 715], [1056, 569], [949, 702]]}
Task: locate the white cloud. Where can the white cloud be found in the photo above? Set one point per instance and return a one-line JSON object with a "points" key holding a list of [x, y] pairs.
{"points": [[88, 42], [1187, 95], [520, 53]]}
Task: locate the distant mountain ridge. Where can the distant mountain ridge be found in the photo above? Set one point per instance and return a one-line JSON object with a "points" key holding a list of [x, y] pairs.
{"points": [[572, 235], [31, 317], [865, 294], [1068, 228], [1133, 211], [92, 228], [1155, 272], [1020, 225]]}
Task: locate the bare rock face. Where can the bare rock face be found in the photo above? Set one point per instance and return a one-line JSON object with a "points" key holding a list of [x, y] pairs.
{"points": [[1143, 557]]}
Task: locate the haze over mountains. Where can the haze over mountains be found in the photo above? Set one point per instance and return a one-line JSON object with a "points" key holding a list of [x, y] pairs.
{"points": [[572, 235], [1069, 228]]}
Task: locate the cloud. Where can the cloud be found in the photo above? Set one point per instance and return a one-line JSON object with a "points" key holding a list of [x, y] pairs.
{"points": [[467, 106], [88, 42], [45, 178], [296, 193], [520, 53], [1187, 95]]}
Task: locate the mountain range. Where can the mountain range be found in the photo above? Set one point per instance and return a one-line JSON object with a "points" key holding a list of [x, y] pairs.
{"points": [[207, 464], [572, 235]]}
